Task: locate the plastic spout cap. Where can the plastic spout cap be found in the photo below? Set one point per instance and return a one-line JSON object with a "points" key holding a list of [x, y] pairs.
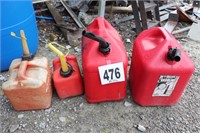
{"points": [[174, 54], [104, 47]]}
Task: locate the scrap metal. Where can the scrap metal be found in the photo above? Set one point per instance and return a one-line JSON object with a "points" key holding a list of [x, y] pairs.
{"points": [[81, 5], [181, 30], [73, 15], [172, 22], [195, 31], [121, 2], [182, 9], [183, 16], [196, 8], [127, 18], [167, 6], [163, 14], [101, 10], [57, 17], [143, 10]]}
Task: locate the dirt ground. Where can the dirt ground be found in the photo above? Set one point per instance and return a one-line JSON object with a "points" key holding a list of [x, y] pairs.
{"points": [[76, 115]]}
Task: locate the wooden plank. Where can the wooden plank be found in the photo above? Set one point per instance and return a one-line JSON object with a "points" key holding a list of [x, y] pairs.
{"points": [[57, 17], [143, 15], [136, 17]]}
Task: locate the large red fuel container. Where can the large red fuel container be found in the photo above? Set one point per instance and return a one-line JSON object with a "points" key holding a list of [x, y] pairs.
{"points": [[66, 76], [104, 62], [160, 68], [29, 84]]}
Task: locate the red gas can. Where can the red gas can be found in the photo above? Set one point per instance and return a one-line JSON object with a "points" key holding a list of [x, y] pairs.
{"points": [[66, 76], [104, 62], [160, 68]]}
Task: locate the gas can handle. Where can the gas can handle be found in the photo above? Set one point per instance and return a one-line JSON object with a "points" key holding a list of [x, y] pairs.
{"points": [[22, 70], [164, 33]]}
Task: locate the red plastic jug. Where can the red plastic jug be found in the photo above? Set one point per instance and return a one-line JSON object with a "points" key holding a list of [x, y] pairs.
{"points": [[66, 76], [160, 68], [104, 62], [29, 84]]}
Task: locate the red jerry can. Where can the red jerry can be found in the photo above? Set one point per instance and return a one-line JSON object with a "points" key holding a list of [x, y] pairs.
{"points": [[66, 76], [160, 68], [29, 84], [104, 62]]}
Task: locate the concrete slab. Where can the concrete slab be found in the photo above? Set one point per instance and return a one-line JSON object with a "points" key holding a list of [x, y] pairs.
{"points": [[194, 32]]}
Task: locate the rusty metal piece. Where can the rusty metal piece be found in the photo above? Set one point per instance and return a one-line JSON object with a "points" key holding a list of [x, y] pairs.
{"points": [[172, 22], [183, 16], [185, 7]]}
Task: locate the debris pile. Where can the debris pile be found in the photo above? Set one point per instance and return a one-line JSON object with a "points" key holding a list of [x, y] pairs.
{"points": [[72, 17]]}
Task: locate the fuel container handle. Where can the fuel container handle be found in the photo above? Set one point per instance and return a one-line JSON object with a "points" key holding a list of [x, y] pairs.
{"points": [[22, 70], [164, 33]]}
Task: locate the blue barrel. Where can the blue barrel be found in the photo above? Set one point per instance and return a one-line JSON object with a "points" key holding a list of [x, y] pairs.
{"points": [[16, 15]]}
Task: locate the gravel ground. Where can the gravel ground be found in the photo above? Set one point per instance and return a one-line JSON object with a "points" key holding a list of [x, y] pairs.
{"points": [[76, 115]]}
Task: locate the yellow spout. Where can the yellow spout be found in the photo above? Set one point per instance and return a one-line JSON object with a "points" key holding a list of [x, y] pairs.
{"points": [[61, 56], [24, 42]]}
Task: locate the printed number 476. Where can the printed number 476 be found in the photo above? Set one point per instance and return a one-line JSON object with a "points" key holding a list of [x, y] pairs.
{"points": [[110, 73]]}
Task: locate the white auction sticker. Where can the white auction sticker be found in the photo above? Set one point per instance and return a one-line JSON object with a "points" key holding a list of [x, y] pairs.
{"points": [[165, 85], [111, 73]]}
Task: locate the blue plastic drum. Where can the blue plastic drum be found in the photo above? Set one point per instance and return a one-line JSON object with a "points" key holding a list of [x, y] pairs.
{"points": [[16, 16]]}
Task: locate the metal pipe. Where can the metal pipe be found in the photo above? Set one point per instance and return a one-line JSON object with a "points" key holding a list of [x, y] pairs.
{"points": [[101, 9]]}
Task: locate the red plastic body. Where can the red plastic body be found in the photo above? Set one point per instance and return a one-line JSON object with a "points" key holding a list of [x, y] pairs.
{"points": [[151, 69], [67, 86], [92, 58]]}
